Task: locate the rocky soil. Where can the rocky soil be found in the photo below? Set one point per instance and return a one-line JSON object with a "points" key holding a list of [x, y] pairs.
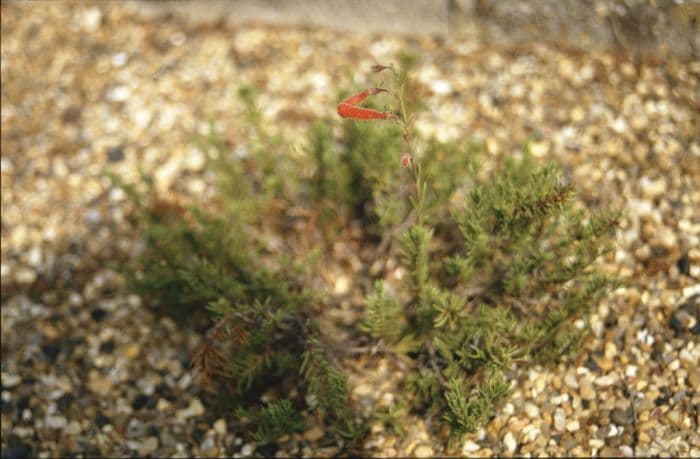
{"points": [[86, 369]]}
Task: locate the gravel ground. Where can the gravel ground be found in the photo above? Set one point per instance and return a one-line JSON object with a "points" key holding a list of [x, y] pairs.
{"points": [[86, 369]]}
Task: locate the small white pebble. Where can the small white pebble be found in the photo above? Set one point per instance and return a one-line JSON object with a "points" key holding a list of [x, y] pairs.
{"points": [[220, 426], [532, 411], [56, 422], [118, 93], [441, 87], [120, 59], [690, 291], [571, 381], [559, 419], [470, 447], [247, 449], [341, 285], [605, 381], [596, 443], [92, 19], [25, 276], [509, 442], [675, 365], [10, 380], [423, 451], [530, 433], [573, 426], [508, 409]]}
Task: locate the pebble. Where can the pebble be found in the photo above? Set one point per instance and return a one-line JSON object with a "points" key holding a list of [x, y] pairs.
{"points": [[167, 439], [509, 442], [508, 409], [92, 19], [73, 428], [363, 390], [163, 405], [208, 444], [195, 160], [247, 450], [605, 381], [98, 383], [621, 417], [195, 409], [609, 452], [652, 188], [220, 427], [25, 276], [423, 451], [675, 417], [314, 434], [470, 447], [539, 149], [120, 59], [56, 422], [148, 446], [559, 419], [571, 380], [532, 411], [341, 285], [596, 443], [132, 351], [573, 426], [10, 380], [118, 94], [441, 87]]}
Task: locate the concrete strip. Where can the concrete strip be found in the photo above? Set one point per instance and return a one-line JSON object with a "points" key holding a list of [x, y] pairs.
{"points": [[425, 17]]}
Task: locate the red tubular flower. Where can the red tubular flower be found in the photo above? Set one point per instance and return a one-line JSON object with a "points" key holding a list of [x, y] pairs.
{"points": [[348, 108]]}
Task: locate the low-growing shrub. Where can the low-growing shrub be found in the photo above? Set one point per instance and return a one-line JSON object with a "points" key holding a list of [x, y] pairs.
{"points": [[499, 271], [518, 288]]}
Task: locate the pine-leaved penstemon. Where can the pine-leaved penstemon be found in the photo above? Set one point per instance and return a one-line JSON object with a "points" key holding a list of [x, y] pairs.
{"points": [[516, 288], [498, 272]]}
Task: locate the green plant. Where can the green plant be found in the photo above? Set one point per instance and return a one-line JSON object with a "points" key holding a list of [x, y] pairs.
{"points": [[498, 272], [213, 266], [510, 294]]}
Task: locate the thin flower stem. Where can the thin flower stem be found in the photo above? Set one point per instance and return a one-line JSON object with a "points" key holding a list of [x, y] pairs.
{"points": [[405, 123]]}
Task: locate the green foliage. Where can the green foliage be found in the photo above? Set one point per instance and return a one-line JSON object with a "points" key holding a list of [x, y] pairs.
{"points": [[211, 262], [393, 416], [273, 421], [468, 413], [384, 318], [497, 273], [328, 386], [358, 174], [507, 296]]}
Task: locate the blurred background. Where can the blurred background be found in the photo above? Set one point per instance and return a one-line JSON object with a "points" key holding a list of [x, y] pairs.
{"points": [[663, 27]]}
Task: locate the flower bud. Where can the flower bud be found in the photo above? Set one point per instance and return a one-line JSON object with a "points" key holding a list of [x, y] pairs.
{"points": [[376, 68]]}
